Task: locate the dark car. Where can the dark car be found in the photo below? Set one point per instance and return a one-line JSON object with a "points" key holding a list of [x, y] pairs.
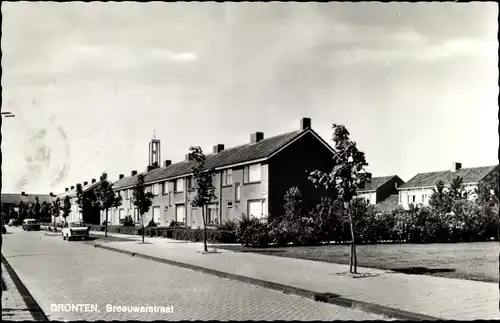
{"points": [[31, 225]]}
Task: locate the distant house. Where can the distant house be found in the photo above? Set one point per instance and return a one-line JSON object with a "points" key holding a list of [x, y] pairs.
{"points": [[379, 189], [418, 190], [251, 178], [76, 214], [12, 200]]}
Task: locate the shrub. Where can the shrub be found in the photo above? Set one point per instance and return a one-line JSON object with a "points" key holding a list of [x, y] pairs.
{"points": [[229, 225], [252, 232], [151, 224], [128, 221], [174, 224]]}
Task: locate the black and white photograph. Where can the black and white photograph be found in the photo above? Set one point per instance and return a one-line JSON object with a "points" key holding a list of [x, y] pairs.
{"points": [[253, 161]]}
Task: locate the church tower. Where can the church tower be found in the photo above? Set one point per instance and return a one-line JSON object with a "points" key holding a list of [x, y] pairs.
{"points": [[154, 151]]}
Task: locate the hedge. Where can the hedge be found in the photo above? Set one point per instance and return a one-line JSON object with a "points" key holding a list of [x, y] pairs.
{"points": [[186, 234]]}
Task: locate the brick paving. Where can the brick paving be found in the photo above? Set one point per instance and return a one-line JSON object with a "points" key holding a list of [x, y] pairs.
{"points": [[13, 306], [62, 272], [445, 298]]}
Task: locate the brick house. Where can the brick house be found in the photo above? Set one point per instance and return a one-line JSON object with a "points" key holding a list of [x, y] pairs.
{"points": [[76, 214], [379, 189], [419, 189], [12, 201], [251, 178]]}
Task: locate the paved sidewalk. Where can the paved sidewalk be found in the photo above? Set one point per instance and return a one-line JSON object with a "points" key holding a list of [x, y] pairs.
{"points": [[443, 298]]}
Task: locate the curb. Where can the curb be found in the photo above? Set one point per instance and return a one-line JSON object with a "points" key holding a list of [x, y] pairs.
{"points": [[33, 307], [329, 298]]}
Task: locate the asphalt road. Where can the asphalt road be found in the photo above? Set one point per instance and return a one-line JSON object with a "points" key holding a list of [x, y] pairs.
{"points": [[56, 271]]}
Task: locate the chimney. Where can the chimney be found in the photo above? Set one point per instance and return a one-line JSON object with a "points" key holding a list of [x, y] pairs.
{"points": [[104, 176], [133, 173], [51, 194], [66, 189], [167, 163], [305, 123], [23, 193], [121, 176], [72, 187], [187, 157], [218, 148], [85, 183], [256, 137], [456, 166], [93, 180]]}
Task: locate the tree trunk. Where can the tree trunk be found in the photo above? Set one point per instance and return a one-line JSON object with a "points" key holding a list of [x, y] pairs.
{"points": [[204, 228], [353, 261], [106, 225], [142, 224]]}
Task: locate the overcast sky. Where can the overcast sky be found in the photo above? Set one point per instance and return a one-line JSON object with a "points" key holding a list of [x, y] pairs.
{"points": [[416, 84]]}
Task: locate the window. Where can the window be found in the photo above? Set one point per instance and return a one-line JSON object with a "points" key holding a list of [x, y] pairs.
{"points": [[136, 215], [170, 198], [120, 214], [126, 194], [148, 188], [156, 189], [180, 214], [212, 218], [227, 177], [179, 185], [252, 173], [189, 182], [414, 198], [423, 198], [164, 188], [237, 193], [156, 214], [255, 208], [367, 201]]}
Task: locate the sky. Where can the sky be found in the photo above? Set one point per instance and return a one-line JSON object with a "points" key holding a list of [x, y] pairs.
{"points": [[416, 84]]}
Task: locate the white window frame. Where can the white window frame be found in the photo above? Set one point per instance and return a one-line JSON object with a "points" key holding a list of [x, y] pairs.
{"points": [[227, 177], [182, 216], [156, 189], [157, 221], [164, 188], [247, 171], [176, 185], [262, 204], [237, 191]]}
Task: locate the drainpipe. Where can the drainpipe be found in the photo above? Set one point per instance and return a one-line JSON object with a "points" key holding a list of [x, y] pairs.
{"points": [[186, 189], [220, 198]]}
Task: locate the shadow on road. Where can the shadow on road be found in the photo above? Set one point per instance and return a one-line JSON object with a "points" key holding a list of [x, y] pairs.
{"points": [[4, 287], [107, 239], [422, 270]]}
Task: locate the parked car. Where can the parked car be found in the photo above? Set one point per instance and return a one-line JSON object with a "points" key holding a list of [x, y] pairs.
{"points": [[75, 230], [31, 225], [14, 222]]}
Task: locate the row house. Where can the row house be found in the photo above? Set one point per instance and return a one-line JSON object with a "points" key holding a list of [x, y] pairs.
{"points": [[76, 214], [12, 200], [379, 189], [418, 190], [250, 179]]}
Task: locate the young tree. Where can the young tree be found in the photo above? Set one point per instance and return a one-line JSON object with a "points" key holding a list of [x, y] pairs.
{"points": [[66, 209], [87, 201], [205, 191], [106, 198], [36, 208], [440, 200], [142, 200], [348, 175], [457, 190], [56, 209]]}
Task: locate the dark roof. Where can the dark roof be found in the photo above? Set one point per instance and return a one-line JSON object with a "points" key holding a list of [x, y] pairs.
{"points": [[469, 175], [13, 198], [230, 156], [376, 182], [73, 191]]}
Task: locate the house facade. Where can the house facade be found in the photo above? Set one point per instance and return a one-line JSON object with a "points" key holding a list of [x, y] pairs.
{"points": [[76, 214], [379, 189], [418, 190], [12, 201], [249, 179]]}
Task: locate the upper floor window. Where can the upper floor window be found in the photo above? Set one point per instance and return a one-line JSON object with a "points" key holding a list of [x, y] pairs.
{"points": [[179, 185], [164, 187], [156, 189], [252, 173], [237, 191], [189, 182], [227, 177], [148, 188], [125, 193]]}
